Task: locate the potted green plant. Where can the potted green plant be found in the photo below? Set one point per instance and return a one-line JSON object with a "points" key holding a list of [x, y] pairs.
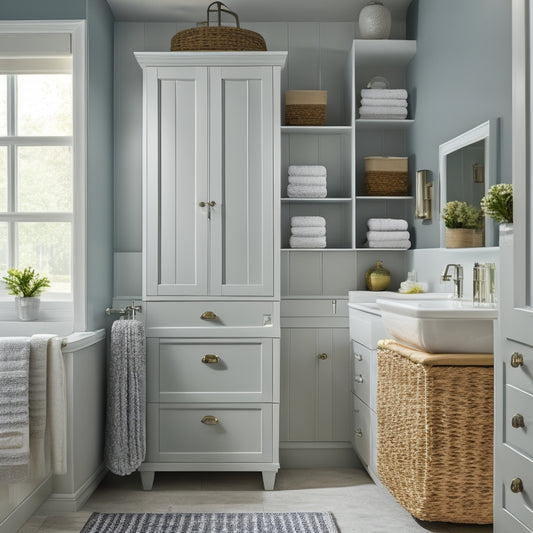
{"points": [[498, 203], [26, 285], [464, 225]]}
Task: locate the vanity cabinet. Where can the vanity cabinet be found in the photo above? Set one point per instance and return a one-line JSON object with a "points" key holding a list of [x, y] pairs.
{"points": [[210, 261]]}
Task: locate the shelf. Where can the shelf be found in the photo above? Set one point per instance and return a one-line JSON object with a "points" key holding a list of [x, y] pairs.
{"points": [[317, 130], [383, 52], [382, 249], [315, 200], [317, 249], [370, 124], [384, 197]]}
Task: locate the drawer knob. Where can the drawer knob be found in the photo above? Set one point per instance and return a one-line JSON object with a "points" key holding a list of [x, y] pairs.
{"points": [[210, 420], [358, 433], [322, 356], [518, 421], [359, 379], [208, 315], [210, 358], [516, 485], [358, 356], [517, 359]]}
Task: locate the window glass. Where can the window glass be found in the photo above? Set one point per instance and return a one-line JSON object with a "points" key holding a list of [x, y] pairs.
{"points": [[3, 178], [44, 179], [44, 104], [3, 105], [4, 255]]}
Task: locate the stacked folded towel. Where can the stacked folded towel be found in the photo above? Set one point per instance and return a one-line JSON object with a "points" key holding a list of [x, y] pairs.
{"points": [[307, 181], [388, 233], [383, 103], [308, 232]]}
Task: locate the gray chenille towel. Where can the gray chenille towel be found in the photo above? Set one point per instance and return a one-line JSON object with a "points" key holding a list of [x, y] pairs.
{"points": [[126, 398]]}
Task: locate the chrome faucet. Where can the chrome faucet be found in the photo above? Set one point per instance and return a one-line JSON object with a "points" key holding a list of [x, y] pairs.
{"points": [[457, 280]]}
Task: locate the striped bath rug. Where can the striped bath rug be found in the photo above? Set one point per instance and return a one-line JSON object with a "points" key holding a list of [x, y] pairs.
{"points": [[210, 523]]}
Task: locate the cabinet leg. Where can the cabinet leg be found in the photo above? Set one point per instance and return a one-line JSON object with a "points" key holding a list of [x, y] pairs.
{"points": [[269, 478], [147, 479]]}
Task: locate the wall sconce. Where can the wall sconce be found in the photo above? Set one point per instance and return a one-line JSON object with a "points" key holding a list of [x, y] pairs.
{"points": [[478, 173], [424, 195]]}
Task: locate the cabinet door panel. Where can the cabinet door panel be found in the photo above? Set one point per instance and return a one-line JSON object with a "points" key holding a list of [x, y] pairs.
{"points": [[241, 181]]}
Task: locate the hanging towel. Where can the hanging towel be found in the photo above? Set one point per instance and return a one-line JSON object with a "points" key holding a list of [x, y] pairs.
{"points": [[383, 102], [125, 423], [306, 191], [382, 112], [403, 244], [307, 242], [387, 224], [399, 94], [308, 221], [387, 235], [14, 409], [309, 231], [307, 170], [308, 180]]}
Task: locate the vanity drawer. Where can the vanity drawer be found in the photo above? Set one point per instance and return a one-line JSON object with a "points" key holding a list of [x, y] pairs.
{"points": [[212, 319], [366, 328], [361, 371], [221, 370], [361, 438], [519, 410], [519, 366], [209, 433]]}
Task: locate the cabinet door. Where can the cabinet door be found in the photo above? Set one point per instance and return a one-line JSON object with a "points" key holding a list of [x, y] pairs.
{"points": [[315, 385], [175, 239], [241, 181]]}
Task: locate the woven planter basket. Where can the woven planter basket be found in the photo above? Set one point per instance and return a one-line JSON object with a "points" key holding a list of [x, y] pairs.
{"points": [[218, 38], [435, 433]]}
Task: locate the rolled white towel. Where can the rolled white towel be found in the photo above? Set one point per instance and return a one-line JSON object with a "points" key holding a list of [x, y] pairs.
{"points": [[308, 180], [387, 235], [311, 231], [404, 245], [383, 102], [306, 191], [382, 112], [308, 221], [307, 242], [399, 94], [307, 170], [387, 224]]}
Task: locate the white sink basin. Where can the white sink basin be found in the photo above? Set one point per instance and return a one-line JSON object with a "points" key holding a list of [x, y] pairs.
{"points": [[439, 326]]}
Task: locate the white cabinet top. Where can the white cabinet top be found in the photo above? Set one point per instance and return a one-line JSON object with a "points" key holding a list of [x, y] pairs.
{"points": [[164, 59]]}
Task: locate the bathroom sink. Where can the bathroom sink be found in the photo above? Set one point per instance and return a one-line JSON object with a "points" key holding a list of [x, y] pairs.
{"points": [[440, 325]]}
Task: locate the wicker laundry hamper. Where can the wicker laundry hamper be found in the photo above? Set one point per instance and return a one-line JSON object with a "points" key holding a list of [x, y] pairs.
{"points": [[218, 38], [435, 432], [386, 176]]}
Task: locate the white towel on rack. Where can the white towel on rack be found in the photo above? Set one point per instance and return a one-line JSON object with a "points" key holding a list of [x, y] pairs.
{"points": [[308, 180], [309, 231], [387, 235], [383, 102], [306, 191], [402, 244], [307, 242], [387, 224], [307, 170], [308, 221], [382, 112], [398, 94]]}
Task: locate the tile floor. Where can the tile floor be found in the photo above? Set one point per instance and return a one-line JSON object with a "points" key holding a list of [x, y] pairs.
{"points": [[359, 506]]}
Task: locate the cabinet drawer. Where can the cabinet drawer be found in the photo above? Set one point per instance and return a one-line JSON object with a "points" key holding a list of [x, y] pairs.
{"points": [[242, 433], [519, 404], [236, 370], [362, 438], [366, 329], [220, 319], [520, 376], [361, 371]]}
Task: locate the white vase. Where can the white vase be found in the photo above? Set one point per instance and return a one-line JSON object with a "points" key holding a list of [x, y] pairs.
{"points": [[27, 307], [374, 21], [506, 233]]}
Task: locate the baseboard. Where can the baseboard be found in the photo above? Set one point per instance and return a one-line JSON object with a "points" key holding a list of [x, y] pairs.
{"points": [[24, 511], [317, 455], [71, 502]]}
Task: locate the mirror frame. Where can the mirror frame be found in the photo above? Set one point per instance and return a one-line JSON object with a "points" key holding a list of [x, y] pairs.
{"points": [[488, 131]]}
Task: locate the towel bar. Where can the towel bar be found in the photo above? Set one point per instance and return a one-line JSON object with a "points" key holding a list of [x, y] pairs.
{"points": [[129, 311]]}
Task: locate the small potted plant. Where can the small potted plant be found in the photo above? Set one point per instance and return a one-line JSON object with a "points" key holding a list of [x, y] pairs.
{"points": [[464, 225], [26, 285], [498, 203]]}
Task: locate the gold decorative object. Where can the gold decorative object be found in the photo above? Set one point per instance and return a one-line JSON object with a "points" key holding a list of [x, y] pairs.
{"points": [[210, 358], [377, 278], [208, 315]]}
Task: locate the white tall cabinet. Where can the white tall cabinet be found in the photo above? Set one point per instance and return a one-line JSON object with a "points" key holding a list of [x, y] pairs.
{"points": [[211, 261]]}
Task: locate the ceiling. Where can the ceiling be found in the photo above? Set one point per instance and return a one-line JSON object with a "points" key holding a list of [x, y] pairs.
{"points": [[249, 10]]}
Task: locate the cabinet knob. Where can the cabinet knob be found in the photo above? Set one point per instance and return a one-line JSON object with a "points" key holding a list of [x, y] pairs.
{"points": [[322, 356], [359, 379], [210, 358], [358, 356], [212, 203], [518, 421], [517, 359], [202, 204], [516, 485], [208, 315], [210, 420], [358, 433]]}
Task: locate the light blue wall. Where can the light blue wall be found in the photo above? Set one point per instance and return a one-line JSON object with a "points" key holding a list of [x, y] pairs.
{"points": [[459, 78], [43, 9]]}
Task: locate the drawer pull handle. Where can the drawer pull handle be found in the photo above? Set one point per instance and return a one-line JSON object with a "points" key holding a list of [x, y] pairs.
{"points": [[359, 379], [516, 485], [322, 356], [518, 421], [210, 358], [358, 356], [517, 359], [358, 433], [208, 315], [210, 420]]}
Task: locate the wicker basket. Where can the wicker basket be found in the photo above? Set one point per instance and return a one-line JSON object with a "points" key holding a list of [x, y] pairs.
{"points": [[218, 38], [306, 108], [435, 432], [386, 176]]}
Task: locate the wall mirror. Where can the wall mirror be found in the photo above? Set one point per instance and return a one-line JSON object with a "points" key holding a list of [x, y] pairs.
{"points": [[467, 168]]}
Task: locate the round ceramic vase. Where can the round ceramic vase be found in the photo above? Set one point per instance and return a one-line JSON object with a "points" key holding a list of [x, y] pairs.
{"points": [[374, 21], [377, 278]]}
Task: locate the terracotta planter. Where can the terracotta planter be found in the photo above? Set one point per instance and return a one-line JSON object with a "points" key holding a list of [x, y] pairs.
{"points": [[464, 238]]}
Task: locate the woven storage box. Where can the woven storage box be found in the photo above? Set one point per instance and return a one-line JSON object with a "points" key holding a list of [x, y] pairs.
{"points": [[386, 176], [435, 432], [306, 108]]}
